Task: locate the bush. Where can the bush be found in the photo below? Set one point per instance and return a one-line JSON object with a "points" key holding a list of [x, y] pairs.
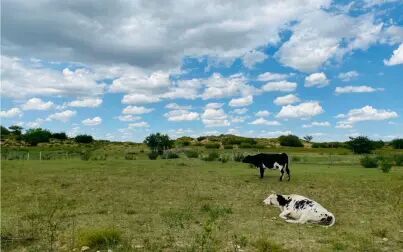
{"points": [[85, 155], [35, 136], [224, 159], [290, 140], [397, 143], [328, 145], [84, 139], [99, 238], [212, 146], [212, 156], [386, 166], [246, 146], [60, 136], [369, 162], [231, 140], [228, 146], [170, 155], [238, 157], [152, 155], [398, 160], [361, 145], [130, 156], [191, 154], [158, 142]]}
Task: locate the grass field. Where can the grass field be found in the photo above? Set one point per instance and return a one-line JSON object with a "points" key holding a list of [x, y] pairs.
{"points": [[193, 205]]}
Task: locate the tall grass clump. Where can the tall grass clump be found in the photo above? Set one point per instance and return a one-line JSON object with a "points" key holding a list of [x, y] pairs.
{"points": [[238, 157], [191, 154], [228, 146], [153, 155], [369, 162], [170, 155], [386, 166], [398, 160], [101, 238], [212, 156], [212, 146]]}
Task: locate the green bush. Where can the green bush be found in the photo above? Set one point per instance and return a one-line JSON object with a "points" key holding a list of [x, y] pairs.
{"points": [[191, 154], [85, 155], [369, 162], [228, 146], [238, 157], [361, 145], [130, 156], [212, 156], [84, 139], [398, 160], [397, 143], [386, 166], [153, 155], [103, 238], [35, 136], [170, 155], [246, 146], [212, 146], [223, 158], [290, 140]]}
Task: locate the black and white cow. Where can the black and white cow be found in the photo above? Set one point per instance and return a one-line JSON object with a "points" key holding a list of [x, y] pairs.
{"points": [[270, 161]]}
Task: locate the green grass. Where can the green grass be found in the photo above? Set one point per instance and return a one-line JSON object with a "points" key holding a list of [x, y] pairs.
{"points": [[192, 205]]}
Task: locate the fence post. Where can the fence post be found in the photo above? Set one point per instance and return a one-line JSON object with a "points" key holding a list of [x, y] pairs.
{"points": [[28, 156], [40, 155]]}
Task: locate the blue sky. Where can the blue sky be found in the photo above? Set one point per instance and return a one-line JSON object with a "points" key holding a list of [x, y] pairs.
{"points": [[330, 69]]}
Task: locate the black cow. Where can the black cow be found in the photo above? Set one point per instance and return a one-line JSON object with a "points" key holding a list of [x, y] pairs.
{"points": [[270, 161]]}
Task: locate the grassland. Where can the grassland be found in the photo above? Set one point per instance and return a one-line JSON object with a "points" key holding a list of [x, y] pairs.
{"points": [[193, 205]]}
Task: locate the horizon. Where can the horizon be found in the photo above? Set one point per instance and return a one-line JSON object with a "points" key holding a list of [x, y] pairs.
{"points": [[121, 72]]}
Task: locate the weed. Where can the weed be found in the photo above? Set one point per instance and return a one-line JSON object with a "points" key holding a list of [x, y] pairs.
{"points": [[264, 245], [99, 238], [191, 154], [369, 162]]}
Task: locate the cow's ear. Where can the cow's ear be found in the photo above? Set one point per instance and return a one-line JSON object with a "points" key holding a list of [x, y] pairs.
{"points": [[272, 192]]}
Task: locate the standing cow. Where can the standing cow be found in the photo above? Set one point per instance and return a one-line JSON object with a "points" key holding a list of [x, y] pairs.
{"points": [[270, 161]]}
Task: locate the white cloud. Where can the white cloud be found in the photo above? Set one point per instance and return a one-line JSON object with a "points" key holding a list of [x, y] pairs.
{"points": [[92, 121], [356, 89], [367, 113], [238, 119], [342, 125], [241, 102], [218, 86], [250, 59], [136, 110], [214, 105], [302, 110], [34, 124], [21, 80], [136, 99], [316, 124], [281, 86], [214, 116], [87, 102], [37, 104], [262, 113], [63, 116], [274, 133], [347, 76], [268, 76], [136, 81], [13, 112], [128, 118], [181, 115], [240, 111], [396, 58], [139, 125], [176, 106], [262, 121], [285, 100], [316, 80]]}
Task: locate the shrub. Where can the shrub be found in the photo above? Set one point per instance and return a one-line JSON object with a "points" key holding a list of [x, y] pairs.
{"points": [[212, 146], [212, 156], [85, 155], [84, 139], [158, 142], [263, 245], [130, 156], [231, 140], [35, 136], [191, 154], [223, 158], [152, 155], [246, 146], [397, 143], [60, 136], [398, 160], [386, 166], [360, 145], [238, 157], [104, 238], [170, 155], [369, 162], [290, 140], [228, 146]]}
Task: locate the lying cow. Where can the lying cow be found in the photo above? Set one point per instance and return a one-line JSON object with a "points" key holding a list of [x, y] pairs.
{"points": [[270, 161], [299, 209]]}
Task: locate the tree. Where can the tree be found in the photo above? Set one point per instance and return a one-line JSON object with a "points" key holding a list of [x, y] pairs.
{"points": [[35, 136], [397, 143], [4, 131], [290, 140], [308, 138], [60, 136], [16, 130], [84, 139], [158, 142], [360, 145]]}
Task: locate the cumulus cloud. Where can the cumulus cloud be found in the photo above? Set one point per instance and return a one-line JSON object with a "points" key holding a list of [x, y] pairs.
{"points": [[176, 106], [241, 102], [262, 113], [128, 118], [268, 76], [356, 89], [281, 86], [302, 110], [262, 121], [347, 76], [218, 86], [366, 113], [240, 111], [285, 100], [139, 125], [137, 99], [181, 115], [92, 121], [136, 110], [316, 124], [63, 116], [214, 116], [87, 102], [396, 58], [37, 104], [316, 80], [250, 59], [13, 112]]}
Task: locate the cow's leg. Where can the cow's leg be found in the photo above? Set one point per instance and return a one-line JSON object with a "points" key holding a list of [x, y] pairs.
{"points": [[288, 171], [261, 172], [282, 173], [284, 214]]}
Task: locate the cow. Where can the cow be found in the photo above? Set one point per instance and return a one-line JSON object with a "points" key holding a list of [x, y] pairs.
{"points": [[299, 209], [270, 161]]}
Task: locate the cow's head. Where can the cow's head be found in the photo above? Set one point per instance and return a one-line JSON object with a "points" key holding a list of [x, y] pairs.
{"points": [[271, 200], [247, 159]]}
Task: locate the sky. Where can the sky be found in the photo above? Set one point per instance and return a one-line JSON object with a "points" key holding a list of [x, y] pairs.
{"points": [[121, 70]]}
